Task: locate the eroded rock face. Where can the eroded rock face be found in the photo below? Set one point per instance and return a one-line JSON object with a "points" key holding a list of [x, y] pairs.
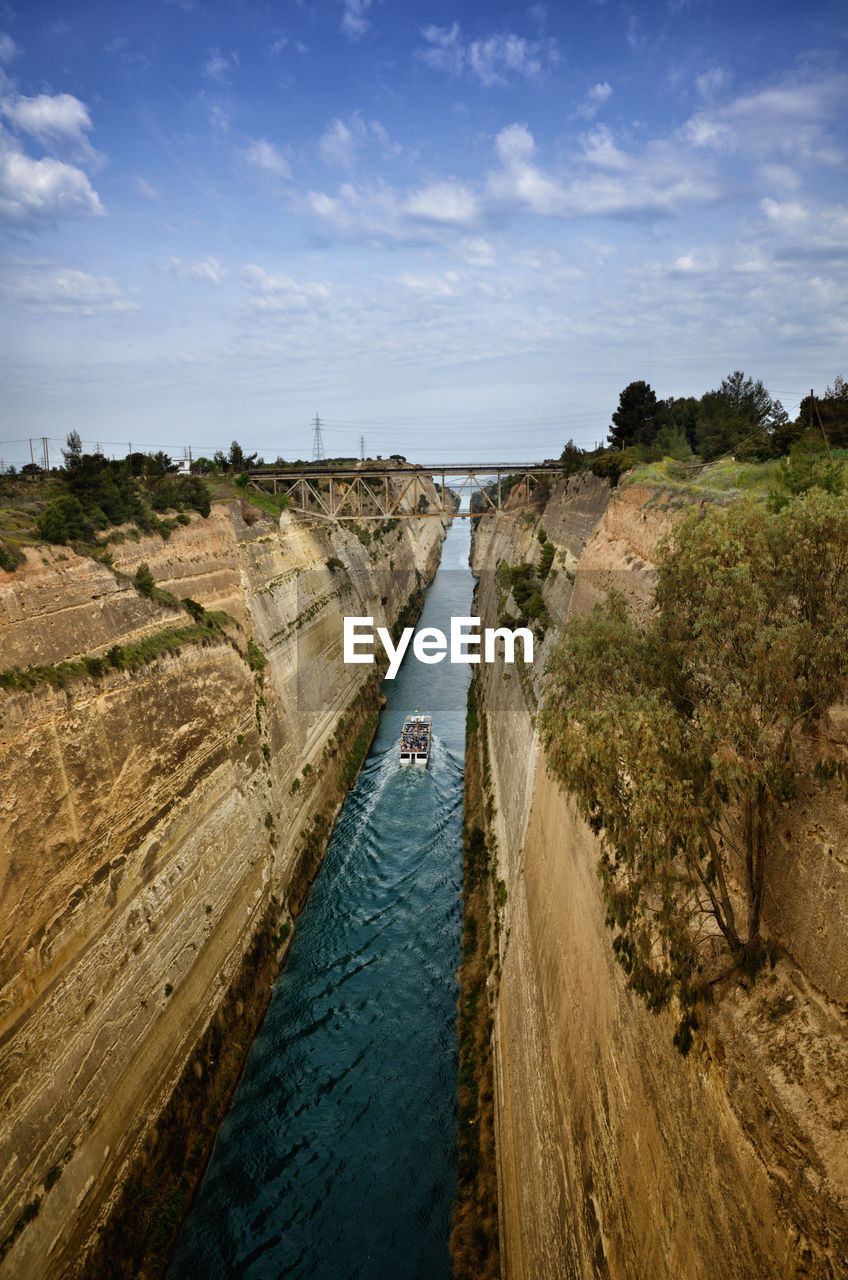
{"points": [[617, 1157], [153, 823]]}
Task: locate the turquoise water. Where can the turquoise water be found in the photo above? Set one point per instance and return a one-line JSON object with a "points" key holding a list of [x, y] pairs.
{"points": [[337, 1159]]}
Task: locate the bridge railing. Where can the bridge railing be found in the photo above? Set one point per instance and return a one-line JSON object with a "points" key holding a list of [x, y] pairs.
{"points": [[401, 491]]}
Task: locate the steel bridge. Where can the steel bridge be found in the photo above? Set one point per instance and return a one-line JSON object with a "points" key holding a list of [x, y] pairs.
{"points": [[378, 493]]}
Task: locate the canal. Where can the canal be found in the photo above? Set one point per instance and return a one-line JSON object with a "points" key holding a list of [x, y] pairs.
{"points": [[337, 1159]]}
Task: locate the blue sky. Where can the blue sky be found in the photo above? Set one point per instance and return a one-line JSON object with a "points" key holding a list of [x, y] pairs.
{"points": [[456, 229]]}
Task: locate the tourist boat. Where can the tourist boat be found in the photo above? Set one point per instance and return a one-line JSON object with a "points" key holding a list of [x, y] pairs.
{"points": [[415, 739]]}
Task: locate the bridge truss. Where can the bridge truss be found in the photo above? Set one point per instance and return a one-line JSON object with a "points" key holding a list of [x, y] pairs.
{"points": [[382, 494]]}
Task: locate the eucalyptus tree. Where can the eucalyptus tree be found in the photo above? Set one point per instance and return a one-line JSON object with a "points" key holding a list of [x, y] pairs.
{"points": [[679, 735]]}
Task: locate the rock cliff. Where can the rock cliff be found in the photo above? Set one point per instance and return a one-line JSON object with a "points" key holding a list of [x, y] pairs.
{"points": [[160, 821], [616, 1156]]}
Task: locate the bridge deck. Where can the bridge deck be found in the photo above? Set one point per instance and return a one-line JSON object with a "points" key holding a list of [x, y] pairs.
{"points": [[364, 492]]}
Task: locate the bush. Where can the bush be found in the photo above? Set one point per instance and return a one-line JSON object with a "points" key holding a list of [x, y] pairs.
{"points": [[144, 579], [10, 556], [546, 559], [255, 657], [63, 520]]}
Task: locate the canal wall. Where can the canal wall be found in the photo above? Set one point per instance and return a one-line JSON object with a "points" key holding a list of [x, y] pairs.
{"points": [[616, 1156], [167, 796]]}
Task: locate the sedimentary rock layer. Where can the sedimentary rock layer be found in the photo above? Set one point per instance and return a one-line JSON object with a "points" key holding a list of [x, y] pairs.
{"points": [[617, 1157], [158, 828]]}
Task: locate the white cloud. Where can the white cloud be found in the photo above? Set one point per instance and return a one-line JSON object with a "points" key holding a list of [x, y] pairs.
{"points": [[710, 82], [445, 202], [515, 144], [492, 61], [144, 188], [594, 100], [789, 214], [338, 145], [662, 179], [354, 22], [780, 177], [208, 269], [444, 50], [443, 286], [478, 252], [219, 117], [281, 292], [388, 146], [40, 192], [8, 48], [603, 180], [695, 263], [40, 287], [218, 67], [791, 118], [59, 122], [264, 156], [599, 149]]}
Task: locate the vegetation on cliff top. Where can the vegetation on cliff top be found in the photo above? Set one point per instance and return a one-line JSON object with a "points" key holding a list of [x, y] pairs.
{"points": [[679, 737]]}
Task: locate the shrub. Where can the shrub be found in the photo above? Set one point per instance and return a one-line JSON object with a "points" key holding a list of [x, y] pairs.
{"points": [[63, 520], [10, 556], [255, 657], [144, 579]]}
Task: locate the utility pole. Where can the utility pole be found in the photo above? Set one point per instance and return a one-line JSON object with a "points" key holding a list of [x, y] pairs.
{"points": [[362, 448], [821, 427], [811, 434], [46, 452], [317, 442]]}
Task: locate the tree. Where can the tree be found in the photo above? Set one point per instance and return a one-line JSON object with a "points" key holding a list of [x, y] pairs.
{"points": [[73, 453], [638, 417], [740, 417], [572, 458], [62, 520], [681, 415], [158, 464], [831, 409], [679, 737], [144, 579], [237, 459]]}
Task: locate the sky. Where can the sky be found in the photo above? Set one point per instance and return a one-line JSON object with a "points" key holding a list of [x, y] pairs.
{"points": [[453, 229]]}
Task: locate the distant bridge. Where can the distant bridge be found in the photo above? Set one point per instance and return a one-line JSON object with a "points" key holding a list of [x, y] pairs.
{"points": [[371, 493]]}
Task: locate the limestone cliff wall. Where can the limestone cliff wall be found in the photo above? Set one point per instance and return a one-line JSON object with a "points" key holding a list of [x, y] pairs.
{"points": [[156, 826], [618, 1157]]}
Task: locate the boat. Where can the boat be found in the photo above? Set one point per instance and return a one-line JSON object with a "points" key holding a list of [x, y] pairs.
{"points": [[415, 740]]}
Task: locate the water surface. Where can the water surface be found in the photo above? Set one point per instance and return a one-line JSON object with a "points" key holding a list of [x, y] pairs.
{"points": [[337, 1159]]}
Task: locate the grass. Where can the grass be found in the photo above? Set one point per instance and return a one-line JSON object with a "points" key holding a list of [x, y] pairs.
{"points": [[121, 657], [727, 478]]}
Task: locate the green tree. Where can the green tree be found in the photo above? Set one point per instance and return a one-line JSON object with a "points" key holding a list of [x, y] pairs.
{"points": [[63, 520], [237, 459], [573, 458], [638, 417], [829, 417], [740, 417], [144, 579], [73, 453], [679, 737]]}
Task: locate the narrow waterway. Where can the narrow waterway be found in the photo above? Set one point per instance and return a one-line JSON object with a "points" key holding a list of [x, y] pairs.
{"points": [[337, 1159]]}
